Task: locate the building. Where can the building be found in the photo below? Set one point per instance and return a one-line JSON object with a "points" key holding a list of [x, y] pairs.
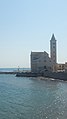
{"points": [[60, 67], [53, 53], [65, 66], [40, 62], [53, 49]]}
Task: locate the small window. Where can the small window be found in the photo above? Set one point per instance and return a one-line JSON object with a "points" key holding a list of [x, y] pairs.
{"points": [[44, 67], [53, 43], [53, 46]]}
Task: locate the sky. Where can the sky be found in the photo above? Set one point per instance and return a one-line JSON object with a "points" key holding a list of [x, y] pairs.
{"points": [[27, 25]]}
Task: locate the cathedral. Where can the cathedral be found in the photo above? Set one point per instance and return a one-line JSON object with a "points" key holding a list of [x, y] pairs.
{"points": [[40, 61]]}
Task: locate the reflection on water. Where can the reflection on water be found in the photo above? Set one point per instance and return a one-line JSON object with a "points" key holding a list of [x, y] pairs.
{"points": [[31, 98]]}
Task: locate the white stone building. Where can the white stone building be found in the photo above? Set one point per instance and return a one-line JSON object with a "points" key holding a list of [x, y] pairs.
{"points": [[40, 62]]}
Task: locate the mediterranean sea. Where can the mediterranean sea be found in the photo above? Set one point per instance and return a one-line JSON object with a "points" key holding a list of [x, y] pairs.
{"points": [[32, 98]]}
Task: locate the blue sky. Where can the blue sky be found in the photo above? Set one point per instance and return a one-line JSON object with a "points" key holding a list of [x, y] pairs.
{"points": [[27, 25]]}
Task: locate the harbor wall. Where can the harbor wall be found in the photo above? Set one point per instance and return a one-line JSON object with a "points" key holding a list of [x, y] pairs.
{"points": [[56, 75]]}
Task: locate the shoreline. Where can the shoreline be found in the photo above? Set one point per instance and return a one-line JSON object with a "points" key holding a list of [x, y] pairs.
{"points": [[53, 75]]}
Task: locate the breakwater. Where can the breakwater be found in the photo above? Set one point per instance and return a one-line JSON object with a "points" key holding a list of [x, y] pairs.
{"points": [[8, 72], [55, 75], [28, 74]]}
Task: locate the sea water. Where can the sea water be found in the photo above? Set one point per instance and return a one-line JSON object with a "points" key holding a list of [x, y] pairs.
{"points": [[32, 98], [14, 69]]}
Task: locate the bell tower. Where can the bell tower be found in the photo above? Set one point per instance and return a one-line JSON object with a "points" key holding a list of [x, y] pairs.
{"points": [[53, 49]]}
